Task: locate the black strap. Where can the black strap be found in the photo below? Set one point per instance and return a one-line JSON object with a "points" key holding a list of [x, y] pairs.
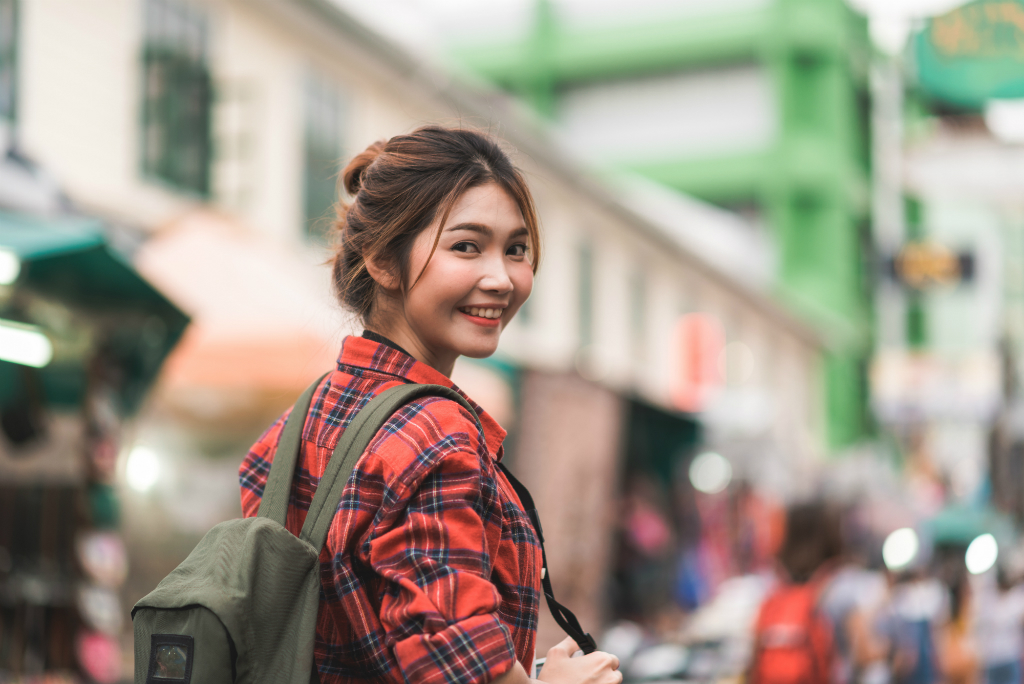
{"points": [[565, 618]]}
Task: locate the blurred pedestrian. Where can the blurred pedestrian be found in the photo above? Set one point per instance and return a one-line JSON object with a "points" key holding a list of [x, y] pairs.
{"points": [[793, 637], [1000, 629], [958, 655], [431, 569], [647, 559], [851, 597], [917, 610]]}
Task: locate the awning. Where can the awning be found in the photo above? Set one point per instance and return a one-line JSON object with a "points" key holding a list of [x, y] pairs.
{"points": [[961, 524], [85, 295], [265, 321]]}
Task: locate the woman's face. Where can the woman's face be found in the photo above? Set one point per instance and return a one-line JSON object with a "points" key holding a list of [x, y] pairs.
{"points": [[470, 288]]}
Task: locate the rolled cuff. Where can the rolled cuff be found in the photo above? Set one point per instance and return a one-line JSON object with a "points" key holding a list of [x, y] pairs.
{"points": [[472, 651]]}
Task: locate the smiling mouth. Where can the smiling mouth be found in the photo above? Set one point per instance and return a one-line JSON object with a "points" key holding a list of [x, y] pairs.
{"points": [[482, 313]]}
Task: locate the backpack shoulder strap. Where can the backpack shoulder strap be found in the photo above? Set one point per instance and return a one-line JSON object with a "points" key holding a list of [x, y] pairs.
{"points": [[278, 489], [354, 441]]}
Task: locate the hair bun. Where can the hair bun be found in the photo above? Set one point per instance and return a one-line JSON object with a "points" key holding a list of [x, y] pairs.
{"points": [[352, 176]]}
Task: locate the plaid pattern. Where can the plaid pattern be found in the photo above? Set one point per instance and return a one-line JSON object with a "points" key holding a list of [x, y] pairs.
{"points": [[432, 571]]}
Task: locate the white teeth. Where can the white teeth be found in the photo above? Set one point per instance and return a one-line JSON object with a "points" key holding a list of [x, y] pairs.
{"points": [[483, 313]]}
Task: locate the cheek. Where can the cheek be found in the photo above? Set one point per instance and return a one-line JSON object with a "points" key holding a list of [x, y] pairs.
{"points": [[446, 282], [522, 281]]}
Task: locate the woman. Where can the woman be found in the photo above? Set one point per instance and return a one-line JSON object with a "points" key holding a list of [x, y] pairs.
{"points": [[431, 571]]}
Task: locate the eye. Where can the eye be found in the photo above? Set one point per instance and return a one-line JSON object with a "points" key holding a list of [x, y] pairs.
{"points": [[465, 247], [518, 251]]}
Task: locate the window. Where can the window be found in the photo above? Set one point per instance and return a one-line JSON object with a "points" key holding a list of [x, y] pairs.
{"points": [[177, 96], [8, 60], [586, 295], [322, 153]]}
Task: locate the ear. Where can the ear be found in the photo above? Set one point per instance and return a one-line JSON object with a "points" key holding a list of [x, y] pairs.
{"points": [[383, 274]]}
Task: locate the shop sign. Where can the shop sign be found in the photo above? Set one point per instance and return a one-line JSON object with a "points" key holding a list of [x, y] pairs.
{"points": [[920, 265], [700, 339], [974, 53], [911, 386]]}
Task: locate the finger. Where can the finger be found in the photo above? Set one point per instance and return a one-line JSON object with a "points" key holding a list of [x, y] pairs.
{"points": [[602, 655], [606, 660], [566, 647]]}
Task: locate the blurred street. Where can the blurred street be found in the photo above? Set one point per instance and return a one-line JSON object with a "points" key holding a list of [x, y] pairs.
{"points": [[775, 344]]}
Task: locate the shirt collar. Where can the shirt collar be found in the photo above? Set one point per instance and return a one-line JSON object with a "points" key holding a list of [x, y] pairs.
{"points": [[366, 354]]}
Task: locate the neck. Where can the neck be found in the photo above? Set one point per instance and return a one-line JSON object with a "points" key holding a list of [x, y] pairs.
{"points": [[393, 325]]}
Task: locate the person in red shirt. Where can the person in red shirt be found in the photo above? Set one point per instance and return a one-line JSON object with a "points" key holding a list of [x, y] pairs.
{"points": [[431, 570]]}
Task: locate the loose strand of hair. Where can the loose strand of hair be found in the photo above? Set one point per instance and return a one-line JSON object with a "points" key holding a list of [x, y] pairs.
{"points": [[448, 203]]}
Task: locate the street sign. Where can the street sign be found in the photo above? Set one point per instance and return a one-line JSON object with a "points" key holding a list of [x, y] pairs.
{"points": [[974, 53], [920, 265]]}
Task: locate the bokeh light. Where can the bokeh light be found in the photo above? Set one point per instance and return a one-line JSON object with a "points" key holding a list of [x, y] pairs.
{"points": [[10, 267], [981, 554], [710, 473], [143, 469], [900, 548], [24, 344]]}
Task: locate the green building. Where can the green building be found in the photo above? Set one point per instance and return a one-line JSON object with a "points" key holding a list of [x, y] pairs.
{"points": [[755, 105]]}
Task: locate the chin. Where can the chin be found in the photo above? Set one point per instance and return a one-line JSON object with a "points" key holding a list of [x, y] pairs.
{"points": [[479, 351]]}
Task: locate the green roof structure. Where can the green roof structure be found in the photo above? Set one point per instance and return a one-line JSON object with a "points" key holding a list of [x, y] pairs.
{"points": [[74, 286]]}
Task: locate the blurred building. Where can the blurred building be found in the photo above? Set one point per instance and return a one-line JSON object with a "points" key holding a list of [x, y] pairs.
{"points": [[759, 106], [216, 128], [949, 231]]}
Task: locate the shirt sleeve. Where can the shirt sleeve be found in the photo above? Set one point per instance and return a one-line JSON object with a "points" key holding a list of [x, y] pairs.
{"points": [[439, 608], [255, 468]]}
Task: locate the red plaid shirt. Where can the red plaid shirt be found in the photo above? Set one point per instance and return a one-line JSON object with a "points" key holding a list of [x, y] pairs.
{"points": [[432, 571]]}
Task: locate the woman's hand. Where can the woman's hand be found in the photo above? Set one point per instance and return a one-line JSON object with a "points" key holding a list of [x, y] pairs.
{"points": [[596, 668]]}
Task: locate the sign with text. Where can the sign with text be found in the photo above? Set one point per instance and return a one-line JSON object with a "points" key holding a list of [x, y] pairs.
{"points": [[920, 265], [974, 53]]}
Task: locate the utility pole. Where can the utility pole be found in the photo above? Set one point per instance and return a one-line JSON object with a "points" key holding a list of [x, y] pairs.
{"points": [[887, 205]]}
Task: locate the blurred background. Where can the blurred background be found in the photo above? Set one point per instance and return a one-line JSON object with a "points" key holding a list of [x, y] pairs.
{"points": [[780, 315]]}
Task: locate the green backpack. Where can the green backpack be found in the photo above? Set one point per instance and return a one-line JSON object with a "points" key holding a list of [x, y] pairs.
{"points": [[243, 606]]}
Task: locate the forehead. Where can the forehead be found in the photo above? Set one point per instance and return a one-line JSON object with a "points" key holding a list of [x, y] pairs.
{"points": [[489, 205]]}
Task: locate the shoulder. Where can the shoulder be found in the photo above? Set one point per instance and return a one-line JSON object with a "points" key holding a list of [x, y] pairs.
{"points": [[255, 467], [431, 421], [425, 434]]}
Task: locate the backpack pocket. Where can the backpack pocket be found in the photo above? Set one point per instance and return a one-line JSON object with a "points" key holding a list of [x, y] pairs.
{"points": [[182, 646]]}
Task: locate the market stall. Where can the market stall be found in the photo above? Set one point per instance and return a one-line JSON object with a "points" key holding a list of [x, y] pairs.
{"points": [[82, 337]]}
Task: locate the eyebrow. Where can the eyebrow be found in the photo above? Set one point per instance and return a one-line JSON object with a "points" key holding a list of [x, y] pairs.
{"points": [[485, 230]]}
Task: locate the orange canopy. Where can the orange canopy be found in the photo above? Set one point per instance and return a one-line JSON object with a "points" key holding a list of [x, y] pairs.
{"points": [[263, 314]]}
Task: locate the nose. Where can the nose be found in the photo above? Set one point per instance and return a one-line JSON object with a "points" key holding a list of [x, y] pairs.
{"points": [[495, 278]]}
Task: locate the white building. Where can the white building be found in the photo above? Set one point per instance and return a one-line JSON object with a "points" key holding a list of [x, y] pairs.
{"points": [[214, 126]]}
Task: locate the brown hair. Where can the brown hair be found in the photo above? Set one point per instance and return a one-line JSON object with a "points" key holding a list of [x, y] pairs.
{"points": [[814, 536], [398, 187]]}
